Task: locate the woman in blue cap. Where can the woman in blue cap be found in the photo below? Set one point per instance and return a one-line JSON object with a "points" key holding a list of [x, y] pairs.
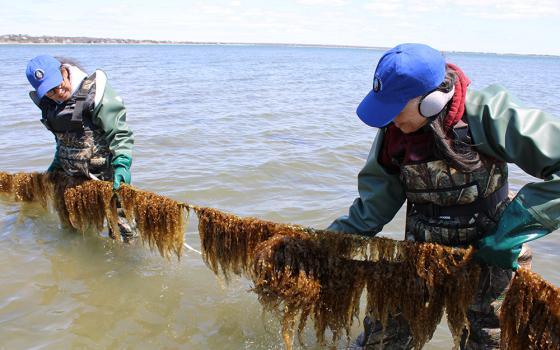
{"points": [[88, 120], [444, 149]]}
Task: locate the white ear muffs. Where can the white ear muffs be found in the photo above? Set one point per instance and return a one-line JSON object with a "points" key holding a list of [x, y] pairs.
{"points": [[433, 102]]}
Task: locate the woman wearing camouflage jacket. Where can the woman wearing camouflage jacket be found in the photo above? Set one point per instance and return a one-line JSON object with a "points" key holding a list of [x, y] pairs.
{"points": [[88, 120], [444, 149]]}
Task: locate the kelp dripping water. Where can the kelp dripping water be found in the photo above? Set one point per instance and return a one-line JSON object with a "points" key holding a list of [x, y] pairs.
{"points": [[530, 314]]}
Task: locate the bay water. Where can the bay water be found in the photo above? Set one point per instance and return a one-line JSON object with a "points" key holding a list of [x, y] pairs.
{"points": [[265, 131]]}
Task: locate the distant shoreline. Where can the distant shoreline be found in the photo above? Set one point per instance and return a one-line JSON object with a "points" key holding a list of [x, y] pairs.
{"points": [[22, 39]]}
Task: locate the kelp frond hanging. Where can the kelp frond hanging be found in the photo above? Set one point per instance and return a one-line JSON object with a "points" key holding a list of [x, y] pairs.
{"points": [[159, 219], [86, 205], [426, 279], [303, 273], [26, 187], [298, 278], [228, 241], [530, 314], [411, 286]]}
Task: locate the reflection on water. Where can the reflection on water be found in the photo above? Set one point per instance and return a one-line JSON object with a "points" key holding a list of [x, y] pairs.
{"points": [[261, 131]]}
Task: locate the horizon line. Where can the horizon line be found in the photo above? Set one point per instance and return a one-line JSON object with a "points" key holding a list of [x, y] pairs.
{"points": [[3, 37]]}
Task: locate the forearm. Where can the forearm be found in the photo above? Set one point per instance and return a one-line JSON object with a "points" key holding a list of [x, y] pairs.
{"points": [[381, 196]]}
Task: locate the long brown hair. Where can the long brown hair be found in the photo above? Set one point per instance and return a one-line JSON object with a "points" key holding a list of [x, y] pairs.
{"points": [[460, 154]]}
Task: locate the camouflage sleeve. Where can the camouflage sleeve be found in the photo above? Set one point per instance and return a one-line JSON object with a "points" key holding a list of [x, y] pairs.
{"points": [[381, 196], [110, 115], [505, 130]]}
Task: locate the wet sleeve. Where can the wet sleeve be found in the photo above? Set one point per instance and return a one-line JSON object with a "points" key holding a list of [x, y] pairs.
{"points": [[381, 195], [528, 137], [110, 115]]}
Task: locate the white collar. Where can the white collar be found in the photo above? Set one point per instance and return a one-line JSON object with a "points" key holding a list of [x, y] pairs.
{"points": [[76, 76]]}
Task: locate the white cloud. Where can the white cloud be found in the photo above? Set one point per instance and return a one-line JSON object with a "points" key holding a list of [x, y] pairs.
{"points": [[511, 9], [386, 8], [484, 9], [323, 2]]}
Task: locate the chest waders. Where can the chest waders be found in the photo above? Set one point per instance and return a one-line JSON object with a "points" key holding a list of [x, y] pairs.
{"points": [[81, 147], [450, 207]]}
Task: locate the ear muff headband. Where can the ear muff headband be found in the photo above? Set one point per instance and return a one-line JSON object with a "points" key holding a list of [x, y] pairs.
{"points": [[433, 102]]}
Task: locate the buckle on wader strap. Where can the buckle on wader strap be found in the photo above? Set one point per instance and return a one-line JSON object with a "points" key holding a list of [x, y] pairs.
{"points": [[464, 210]]}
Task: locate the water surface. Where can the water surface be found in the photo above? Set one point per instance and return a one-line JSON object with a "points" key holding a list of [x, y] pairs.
{"points": [[254, 130]]}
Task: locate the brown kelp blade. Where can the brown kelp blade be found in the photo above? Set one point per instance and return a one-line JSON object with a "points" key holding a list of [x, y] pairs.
{"points": [[419, 285], [305, 274], [228, 241], [298, 278], [86, 205], [26, 187], [530, 314], [302, 273], [160, 220]]}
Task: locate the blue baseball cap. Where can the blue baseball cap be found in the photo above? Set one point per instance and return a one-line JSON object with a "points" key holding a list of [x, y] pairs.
{"points": [[43, 73], [403, 73]]}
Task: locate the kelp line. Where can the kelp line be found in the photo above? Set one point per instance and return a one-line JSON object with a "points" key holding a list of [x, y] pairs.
{"points": [[87, 205], [302, 273]]}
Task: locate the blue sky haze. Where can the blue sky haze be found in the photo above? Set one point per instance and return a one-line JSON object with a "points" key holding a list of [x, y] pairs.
{"points": [[502, 26]]}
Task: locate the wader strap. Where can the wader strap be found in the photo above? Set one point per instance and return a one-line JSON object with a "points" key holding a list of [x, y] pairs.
{"points": [[465, 210], [81, 96]]}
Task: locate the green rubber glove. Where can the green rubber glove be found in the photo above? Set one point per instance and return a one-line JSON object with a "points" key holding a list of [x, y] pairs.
{"points": [[121, 170], [517, 226], [55, 164]]}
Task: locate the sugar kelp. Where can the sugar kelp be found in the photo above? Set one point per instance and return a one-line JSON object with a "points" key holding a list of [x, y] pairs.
{"points": [[303, 273], [87, 205], [530, 314], [299, 279]]}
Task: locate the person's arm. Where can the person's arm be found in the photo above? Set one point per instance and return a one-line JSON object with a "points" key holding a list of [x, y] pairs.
{"points": [[505, 130], [110, 114], [381, 196], [55, 164]]}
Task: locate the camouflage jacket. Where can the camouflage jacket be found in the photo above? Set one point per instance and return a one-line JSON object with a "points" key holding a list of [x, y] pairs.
{"points": [[103, 136], [501, 129]]}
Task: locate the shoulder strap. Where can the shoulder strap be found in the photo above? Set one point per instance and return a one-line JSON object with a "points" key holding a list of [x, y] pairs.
{"points": [[81, 97], [35, 98]]}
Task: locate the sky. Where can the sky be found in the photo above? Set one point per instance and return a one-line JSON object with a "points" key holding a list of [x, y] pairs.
{"points": [[501, 26]]}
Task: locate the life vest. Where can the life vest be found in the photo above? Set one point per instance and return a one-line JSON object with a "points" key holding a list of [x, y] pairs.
{"points": [[81, 146], [447, 206]]}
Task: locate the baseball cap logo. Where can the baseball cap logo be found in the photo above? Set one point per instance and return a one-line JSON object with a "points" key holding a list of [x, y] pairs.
{"points": [[376, 84], [39, 74]]}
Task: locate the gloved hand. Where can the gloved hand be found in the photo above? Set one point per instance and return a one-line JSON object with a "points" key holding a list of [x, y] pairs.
{"points": [[517, 226], [55, 165], [121, 170]]}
